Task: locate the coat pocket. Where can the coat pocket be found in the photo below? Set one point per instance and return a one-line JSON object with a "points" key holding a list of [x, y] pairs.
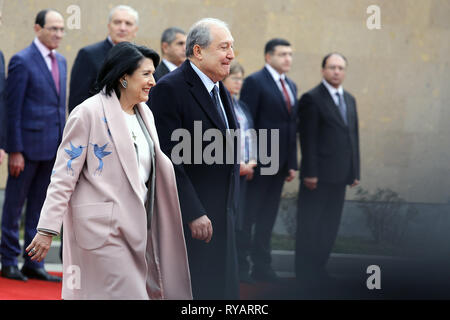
{"points": [[92, 224]]}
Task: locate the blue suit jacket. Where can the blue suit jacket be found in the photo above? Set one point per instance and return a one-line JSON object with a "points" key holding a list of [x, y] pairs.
{"points": [[2, 102], [268, 108], [35, 111]]}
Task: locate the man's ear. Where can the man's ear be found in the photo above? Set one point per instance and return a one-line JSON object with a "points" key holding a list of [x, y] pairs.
{"points": [[164, 46], [37, 28], [198, 52], [267, 57]]}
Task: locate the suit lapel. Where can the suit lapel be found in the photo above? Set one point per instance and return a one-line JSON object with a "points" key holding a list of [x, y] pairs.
{"points": [[228, 106], [121, 139], [276, 91], [39, 59], [350, 109], [331, 105], [201, 95]]}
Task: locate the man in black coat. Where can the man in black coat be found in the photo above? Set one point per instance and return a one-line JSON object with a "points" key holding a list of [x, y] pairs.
{"points": [[173, 51], [271, 98], [122, 26], [330, 161], [191, 102]]}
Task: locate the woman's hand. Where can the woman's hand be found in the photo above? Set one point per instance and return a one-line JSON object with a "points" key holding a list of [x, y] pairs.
{"points": [[39, 247]]}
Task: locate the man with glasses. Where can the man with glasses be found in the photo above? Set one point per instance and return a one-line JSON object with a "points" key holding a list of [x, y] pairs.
{"points": [[122, 26], [328, 125], [35, 104], [271, 98]]}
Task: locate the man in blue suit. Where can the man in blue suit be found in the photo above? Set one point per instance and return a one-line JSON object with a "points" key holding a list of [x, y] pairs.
{"points": [[2, 108], [271, 98], [122, 26], [35, 96]]}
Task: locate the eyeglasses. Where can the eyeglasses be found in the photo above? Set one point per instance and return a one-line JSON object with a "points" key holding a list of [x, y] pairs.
{"points": [[332, 67], [55, 30], [236, 79]]}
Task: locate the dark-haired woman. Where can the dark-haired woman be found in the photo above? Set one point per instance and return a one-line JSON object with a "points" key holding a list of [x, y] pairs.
{"points": [[115, 192]]}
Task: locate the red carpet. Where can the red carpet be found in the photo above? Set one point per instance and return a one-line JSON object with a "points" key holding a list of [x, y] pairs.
{"points": [[30, 290], [43, 290]]}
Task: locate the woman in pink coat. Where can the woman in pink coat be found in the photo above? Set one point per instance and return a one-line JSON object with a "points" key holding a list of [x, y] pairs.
{"points": [[115, 192]]}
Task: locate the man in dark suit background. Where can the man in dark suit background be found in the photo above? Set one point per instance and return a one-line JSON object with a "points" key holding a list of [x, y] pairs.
{"points": [[122, 26], [2, 109], [173, 51], [193, 98], [35, 96], [271, 97], [329, 162]]}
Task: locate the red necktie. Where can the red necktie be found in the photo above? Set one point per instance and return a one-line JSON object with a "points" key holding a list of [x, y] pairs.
{"points": [[55, 70], [286, 96]]}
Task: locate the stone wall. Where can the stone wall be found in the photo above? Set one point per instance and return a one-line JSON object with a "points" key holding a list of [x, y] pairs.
{"points": [[399, 74]]}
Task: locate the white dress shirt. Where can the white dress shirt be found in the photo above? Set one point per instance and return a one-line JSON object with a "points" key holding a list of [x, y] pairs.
{"points": [[209, 86], [332, 90], [276, 77], [45, 52], [169, 65]]}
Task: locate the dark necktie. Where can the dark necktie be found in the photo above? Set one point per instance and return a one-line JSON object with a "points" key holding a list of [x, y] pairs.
{"points": [[287, 99], [215, 97], [342, 108], [55, 70]]}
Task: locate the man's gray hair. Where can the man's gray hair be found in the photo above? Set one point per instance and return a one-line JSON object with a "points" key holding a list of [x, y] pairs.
{"points": [[130, 10], [200, 34], [170, 34]]}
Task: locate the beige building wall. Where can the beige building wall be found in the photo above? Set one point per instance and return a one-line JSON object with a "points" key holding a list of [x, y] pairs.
{"points": [[399, 74]]}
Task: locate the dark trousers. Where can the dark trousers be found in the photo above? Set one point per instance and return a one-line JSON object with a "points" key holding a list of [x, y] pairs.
{"points": [[263, 200], [318, 217], [31, 185]]}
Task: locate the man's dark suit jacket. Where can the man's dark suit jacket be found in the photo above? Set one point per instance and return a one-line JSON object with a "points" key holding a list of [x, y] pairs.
{"points": [[330, 149], [85, 71], [161, 70], [269, 111], [36, 113], [2, 102], [179, 99]]}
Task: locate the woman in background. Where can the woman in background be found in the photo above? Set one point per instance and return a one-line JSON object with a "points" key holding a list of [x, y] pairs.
{"points": [[233, 82]]}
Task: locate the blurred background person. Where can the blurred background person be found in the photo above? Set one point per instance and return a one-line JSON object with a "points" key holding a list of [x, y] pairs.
{"points": [[271, 97], [329, 141], [173, 51], [115, 192], [122, 26], [36, 104], [233, 83]]}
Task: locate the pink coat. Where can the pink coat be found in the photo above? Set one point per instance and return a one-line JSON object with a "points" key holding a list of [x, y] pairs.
{"points": [[108, 252]]}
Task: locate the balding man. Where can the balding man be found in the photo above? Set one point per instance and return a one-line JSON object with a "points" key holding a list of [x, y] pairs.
{"points": [[194, 99], [122, 26], [330, 161], [35, 103]]}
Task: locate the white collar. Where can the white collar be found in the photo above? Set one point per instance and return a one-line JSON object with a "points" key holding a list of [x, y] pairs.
{"points": [[274, 73], [110, 41], [171, 66], [42, 48], [332, 89], [209, 84]]}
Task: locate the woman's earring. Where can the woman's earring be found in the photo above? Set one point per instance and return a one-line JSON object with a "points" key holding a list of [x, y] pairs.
{"points": [[124, 84]]}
